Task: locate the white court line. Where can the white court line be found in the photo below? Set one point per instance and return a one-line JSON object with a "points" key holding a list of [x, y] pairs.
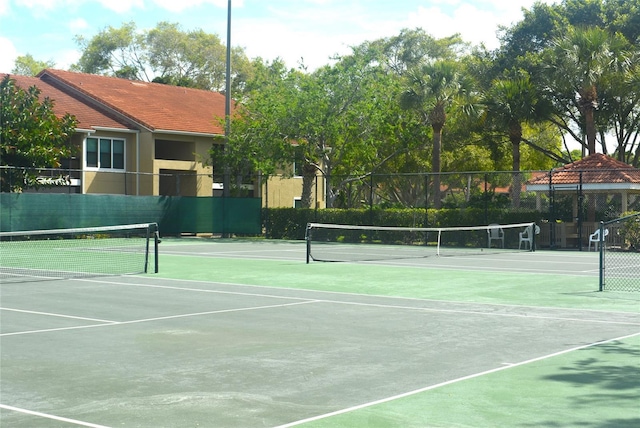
{"points": [[198, 290], [229, 256], [55, 315], [493, 314], [449, 382], [339, 293], [458, 268], [53, 417], [195, 314]]}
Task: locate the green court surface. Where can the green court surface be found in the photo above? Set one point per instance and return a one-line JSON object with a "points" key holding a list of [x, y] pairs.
{"points": [[244, 333]]}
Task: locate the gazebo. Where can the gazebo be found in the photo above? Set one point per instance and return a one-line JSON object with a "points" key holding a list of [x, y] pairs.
{"points": [[594, 175]]}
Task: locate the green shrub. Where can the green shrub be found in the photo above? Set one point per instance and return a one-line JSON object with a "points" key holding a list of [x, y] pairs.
{"points": [[290, 223], [630, 231]]}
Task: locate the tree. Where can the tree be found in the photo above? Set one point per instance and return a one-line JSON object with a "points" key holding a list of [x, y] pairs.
{"points": [[532, 44], [31, 135], [27, 65], [164, 54], [619, 107], [581, 62], [342, 121], [510, 103], [432, 89]]}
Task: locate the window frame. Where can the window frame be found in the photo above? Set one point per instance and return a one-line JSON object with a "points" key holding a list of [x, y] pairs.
{"points": [[96, 157]]}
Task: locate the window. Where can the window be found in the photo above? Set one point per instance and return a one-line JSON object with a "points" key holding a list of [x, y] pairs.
{"points": [[105, 153]]}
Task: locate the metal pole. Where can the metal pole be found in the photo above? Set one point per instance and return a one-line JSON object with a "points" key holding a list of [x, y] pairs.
{"points": [[371, 199], [226, 180], [601, 264], [580, 219], [227, 98], [307, 238]]}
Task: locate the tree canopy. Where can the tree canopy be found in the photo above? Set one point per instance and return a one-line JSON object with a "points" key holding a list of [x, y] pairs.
{"points": [[566, 75], [164, 54], [27, 65], [31, 135]]}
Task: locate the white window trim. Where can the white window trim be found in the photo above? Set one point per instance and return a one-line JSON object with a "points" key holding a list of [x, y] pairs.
{"points": [[99, 168]]}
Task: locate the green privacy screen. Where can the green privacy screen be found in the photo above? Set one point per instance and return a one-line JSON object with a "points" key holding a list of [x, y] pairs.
{"points": [[174, 214]]}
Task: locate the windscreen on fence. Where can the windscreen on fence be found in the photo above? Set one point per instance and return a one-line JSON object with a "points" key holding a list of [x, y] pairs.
{"points": [[173, 214]]}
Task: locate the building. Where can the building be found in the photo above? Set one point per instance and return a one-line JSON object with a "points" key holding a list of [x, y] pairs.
{"points": [[140, 138]]}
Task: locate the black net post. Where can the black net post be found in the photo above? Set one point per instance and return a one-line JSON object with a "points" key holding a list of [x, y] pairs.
{"points": [[156, 241], [601, 258], [307, 237]]}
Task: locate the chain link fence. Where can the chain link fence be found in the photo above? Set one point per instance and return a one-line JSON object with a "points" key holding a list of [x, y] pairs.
{"points": [[568, 205], [620, 260]]}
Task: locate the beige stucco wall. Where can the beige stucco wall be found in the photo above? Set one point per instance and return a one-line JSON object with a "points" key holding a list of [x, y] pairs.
{"points": [[281, 192], [142, 176], [142, 169], [195, 178]]}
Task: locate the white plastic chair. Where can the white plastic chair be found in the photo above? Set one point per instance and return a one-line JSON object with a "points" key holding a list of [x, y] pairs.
{"points": [[595, 238], [526, 237], [495, 233]]}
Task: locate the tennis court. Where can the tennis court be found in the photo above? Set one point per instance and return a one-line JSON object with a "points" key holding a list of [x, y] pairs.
{"points": [[245, 333]]}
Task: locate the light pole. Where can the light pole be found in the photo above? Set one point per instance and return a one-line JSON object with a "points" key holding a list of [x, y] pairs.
{"points": [[227, 104]]}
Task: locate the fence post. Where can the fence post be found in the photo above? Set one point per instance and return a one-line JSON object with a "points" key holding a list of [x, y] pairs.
{"points": [[580, 219], [426, 200], [371, 199], [601, 256], [486, 198], [552, 219]]}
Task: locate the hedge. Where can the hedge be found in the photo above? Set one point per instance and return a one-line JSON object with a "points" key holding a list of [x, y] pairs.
{"points": [[290, 223]]}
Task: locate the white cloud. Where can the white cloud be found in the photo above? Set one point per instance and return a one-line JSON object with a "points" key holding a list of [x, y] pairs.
{"points": [[4, 7], [310, 32], [78, 24], [121, 6], [474, 25], [180, 5], [37, 4], [316, 32], [9, 55], [66, 58]]}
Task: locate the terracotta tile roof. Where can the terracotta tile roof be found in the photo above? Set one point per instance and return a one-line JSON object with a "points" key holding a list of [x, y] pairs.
{"points": [[152, 105], [87, 115], [595, 169]]}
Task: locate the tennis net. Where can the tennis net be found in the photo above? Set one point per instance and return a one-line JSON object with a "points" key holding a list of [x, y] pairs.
{"points": [[339, 242], [81, 252]]}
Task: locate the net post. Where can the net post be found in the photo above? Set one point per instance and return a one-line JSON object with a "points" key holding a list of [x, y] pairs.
{"points": [[146, 248], [533, 236], [156, 241], [307, 238], [601, 259]]}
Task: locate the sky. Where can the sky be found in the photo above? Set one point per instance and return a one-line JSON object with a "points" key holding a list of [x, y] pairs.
{"points": [[305, 32]]}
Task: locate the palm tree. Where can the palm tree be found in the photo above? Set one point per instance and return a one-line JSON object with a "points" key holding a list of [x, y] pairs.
{"points": [[510, 103], [581, 61], [432, 89]]}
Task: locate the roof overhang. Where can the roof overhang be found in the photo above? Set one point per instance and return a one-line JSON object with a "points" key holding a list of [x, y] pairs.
{"points": [[586, 187], [195, 134]]}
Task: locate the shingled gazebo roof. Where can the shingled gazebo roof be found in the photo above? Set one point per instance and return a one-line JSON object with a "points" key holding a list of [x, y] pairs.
{"points": [[596, 172]]}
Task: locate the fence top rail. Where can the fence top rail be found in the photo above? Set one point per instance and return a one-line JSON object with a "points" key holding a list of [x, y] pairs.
{"points": [[79, 230], [621, 219]]}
